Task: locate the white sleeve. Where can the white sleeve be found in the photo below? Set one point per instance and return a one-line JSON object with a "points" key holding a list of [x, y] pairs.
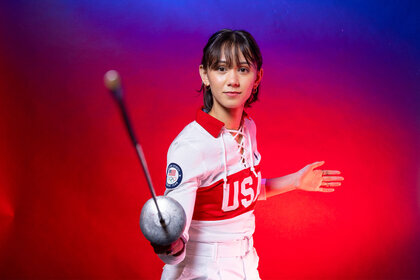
{"points": [[184, 171]]}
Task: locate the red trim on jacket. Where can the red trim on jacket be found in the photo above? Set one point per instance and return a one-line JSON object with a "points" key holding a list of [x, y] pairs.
{"points": [[209, 200], [209, 123]]}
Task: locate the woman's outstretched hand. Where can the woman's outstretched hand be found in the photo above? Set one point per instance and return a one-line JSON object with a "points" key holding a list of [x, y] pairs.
{"points": [[308, 179]]}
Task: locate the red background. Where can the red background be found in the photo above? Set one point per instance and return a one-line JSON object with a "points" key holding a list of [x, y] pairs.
{"points": [[341, 84]]}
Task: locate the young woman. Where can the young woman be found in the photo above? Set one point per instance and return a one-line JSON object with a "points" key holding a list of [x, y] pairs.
{"points": [[213, 168]]}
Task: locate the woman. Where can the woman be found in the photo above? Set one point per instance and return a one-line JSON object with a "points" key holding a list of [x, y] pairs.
{"points": [[213, 168]]}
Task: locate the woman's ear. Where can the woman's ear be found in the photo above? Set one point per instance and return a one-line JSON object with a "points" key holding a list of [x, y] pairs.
{"points": [[259, 77], [203, 75]]}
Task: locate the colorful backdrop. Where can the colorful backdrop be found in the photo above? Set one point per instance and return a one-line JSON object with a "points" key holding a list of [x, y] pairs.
{"points": [[341, 84]]}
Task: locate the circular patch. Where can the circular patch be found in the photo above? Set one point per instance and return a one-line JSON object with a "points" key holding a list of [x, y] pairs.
{"points": [[173, 176]]}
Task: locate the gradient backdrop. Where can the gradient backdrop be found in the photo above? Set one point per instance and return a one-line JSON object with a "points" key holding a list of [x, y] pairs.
{"points": [[341, 84]]}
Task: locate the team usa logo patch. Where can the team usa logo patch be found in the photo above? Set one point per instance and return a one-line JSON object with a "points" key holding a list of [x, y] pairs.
{"points": [[173, 176]]}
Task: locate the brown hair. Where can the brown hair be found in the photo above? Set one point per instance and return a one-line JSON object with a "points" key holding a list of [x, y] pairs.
{"points": [[232, 43]]}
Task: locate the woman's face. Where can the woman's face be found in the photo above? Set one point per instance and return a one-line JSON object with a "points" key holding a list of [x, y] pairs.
{"points": [[231, 87]]}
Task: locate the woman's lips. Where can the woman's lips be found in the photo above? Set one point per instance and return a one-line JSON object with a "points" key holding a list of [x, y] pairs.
{"points": [[232, 93]]}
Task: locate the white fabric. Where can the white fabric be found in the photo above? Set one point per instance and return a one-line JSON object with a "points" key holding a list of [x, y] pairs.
{"points": [[206, 160], [236, 260]]}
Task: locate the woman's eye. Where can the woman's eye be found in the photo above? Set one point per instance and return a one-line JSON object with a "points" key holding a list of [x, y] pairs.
{"points": [[243, 69], [221, 68]]}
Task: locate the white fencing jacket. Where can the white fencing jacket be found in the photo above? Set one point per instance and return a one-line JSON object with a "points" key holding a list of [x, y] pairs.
{"points": [[217, 185]]}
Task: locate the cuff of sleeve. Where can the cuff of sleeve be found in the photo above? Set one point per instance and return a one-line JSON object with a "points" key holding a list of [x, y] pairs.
{"points": [[263, 193]]}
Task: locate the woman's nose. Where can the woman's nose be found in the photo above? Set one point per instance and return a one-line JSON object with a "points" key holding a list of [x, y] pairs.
{"points": [[233, 78]]}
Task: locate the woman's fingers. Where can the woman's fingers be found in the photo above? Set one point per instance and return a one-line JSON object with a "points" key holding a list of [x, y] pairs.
{"points": [[331, 172], [332, 178], [326, 190], [335, 184], [330, 182], [317, 164]]}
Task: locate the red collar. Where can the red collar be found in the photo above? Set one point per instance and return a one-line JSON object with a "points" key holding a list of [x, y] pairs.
{"points": [[209, 123]]}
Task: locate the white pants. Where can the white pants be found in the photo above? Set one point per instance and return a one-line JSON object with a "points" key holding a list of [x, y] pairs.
{"points": [[228, 260]]}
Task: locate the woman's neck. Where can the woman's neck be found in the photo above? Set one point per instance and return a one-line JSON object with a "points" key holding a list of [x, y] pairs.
{"points": [[230, 117]]}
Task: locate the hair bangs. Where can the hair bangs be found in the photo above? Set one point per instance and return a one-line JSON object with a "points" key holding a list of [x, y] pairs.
{"points": [[231, 47]]}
